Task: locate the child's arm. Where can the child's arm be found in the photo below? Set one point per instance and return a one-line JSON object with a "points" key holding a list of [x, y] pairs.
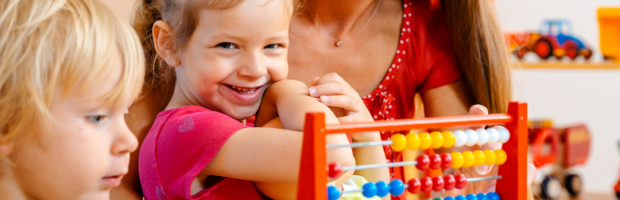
{"points": [[273, 155]]}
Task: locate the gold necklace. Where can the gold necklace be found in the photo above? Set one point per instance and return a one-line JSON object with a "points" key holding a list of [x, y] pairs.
{"points": [[339, 42]]}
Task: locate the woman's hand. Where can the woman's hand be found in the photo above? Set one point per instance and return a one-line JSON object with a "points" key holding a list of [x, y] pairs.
{"points": [[334, 92]]}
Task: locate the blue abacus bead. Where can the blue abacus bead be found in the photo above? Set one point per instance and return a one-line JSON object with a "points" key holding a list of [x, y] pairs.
{"points": [[448, 198], [397, 187], [460, 197], [332, 193], [492, 196], [382, 188], [481, 196], [369, 190], [471, 197]]}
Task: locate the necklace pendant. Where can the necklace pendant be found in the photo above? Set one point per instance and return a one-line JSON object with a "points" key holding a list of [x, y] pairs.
{"points": [[339, 43]]}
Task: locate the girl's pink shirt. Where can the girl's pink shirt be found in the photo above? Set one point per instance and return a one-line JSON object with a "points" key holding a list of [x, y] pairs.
{"points": [[181, 143]]}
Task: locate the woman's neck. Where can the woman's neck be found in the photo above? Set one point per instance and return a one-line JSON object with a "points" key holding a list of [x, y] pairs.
{"points": [[340, 18]]}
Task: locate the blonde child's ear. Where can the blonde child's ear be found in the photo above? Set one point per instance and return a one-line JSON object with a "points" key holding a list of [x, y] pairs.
{"points": [[164, 43], [6, 146]]}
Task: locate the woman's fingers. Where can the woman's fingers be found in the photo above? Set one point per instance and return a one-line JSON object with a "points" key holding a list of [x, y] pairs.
{"points": [[478, 110], [328, 78], [342, 101], [333, 88], [531, 174]]}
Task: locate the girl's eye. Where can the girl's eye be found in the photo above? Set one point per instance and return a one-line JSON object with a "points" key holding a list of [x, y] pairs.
{"points": [[272, 46], [226, 45], [95, 119]]}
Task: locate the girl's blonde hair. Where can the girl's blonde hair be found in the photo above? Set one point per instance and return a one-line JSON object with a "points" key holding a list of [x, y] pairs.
{"points": [[64, 45]]}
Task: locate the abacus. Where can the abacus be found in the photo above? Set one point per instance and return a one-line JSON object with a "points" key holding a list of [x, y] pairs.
{"points": [[511, 159]]}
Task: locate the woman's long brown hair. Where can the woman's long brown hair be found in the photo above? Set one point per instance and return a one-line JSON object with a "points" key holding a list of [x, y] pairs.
{"points": [[480, 49]]}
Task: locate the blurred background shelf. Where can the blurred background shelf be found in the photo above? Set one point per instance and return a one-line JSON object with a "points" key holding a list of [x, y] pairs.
{"points": [[567, 65]]}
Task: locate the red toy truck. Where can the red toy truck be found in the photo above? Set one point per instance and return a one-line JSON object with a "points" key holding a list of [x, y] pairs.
{"points": [[554, 152]]}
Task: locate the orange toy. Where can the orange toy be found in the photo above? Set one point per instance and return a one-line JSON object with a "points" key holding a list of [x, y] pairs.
{"points": [[511, 180]]}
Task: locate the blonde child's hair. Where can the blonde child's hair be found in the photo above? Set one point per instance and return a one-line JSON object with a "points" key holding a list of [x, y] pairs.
{"points": [[64, 45]]}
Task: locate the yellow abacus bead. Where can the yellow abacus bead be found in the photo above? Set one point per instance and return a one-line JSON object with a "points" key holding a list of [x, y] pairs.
{"points": [[437, 140], [425, 140], [448, 139], [489, 157], [413, 141], [468, 159], [399, 143], [457, 160], [500, 157], [479, 157]]}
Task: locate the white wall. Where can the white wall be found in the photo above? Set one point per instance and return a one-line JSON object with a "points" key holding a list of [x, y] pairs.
{"points": [[571, 96]]}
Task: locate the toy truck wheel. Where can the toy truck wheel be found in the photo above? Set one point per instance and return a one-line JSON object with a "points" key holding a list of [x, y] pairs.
{"points": [[543, 49], [573, 184], [520, 53], [572, 53], [551, 188], [586, 53]]}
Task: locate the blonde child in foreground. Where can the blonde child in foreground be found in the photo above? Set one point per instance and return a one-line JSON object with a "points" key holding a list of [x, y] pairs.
{"points": [[69, 69], [225, 54]]}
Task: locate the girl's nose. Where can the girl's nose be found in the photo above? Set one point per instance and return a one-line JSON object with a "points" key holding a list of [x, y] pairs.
{"points": [[253, 66]]}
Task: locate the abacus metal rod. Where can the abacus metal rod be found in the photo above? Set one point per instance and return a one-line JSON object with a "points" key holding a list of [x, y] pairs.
{"points": [[372, 166], [360, 144], [406, 185]]}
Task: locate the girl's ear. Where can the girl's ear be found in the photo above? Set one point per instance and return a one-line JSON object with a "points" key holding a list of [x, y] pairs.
{"points": [[6, 146], [164, 43]]}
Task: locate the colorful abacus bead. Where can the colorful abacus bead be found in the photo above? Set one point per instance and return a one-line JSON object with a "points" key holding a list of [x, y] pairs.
{"points": [[413, 141], [472, 137], [414, 185], [479, 158], [493, 135], [446, 161], [457, 160], [438, 183], [468, 159], [481, 196], [460, 138], [460, 197], [448, 198], [483, 136], [500, 157], [382, 188], [423, 162], [425, 140], [504, 134], [334, 170], [437, 140], [460, 181], [492, 196], [369, 190], [448, 139], [489, 156], [426, 184], [435, 161], [399, 142], [397, 187], [471, 197], [448, 182], [332, 193]]}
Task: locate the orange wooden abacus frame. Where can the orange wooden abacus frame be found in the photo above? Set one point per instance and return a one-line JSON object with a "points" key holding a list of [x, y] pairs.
{"points": [[512, 186]]}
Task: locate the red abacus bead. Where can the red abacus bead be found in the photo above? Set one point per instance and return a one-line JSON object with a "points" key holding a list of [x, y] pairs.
{"points": [[446, 161], [435, 161], [423, 162], [460, 180], [334, 170], [437, 183], [448, 182], [414, 185], [426, 184]]}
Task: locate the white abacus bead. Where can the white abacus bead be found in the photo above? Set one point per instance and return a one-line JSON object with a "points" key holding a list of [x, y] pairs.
{"points": [[504, 135], [460, 138], [483, 136], [493, 135], [472, 137]]}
